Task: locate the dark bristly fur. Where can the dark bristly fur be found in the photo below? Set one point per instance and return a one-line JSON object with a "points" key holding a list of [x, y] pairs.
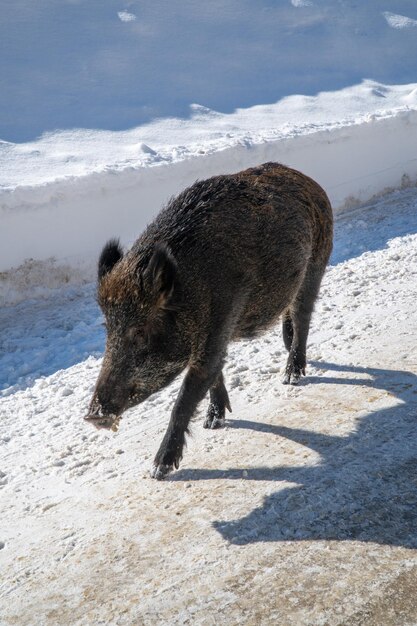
{"points": [[224, 260]]}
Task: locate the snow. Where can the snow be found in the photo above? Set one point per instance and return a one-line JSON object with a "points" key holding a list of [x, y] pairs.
{"points": [[399, 21], [73, 153], [301, 3], [125, 16], [315, 479]]}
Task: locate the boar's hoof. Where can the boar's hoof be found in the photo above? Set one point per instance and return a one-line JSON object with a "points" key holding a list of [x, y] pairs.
{"points": [[213, 424], [160, 471], [293, 375], [291, 379], [214, 418]]}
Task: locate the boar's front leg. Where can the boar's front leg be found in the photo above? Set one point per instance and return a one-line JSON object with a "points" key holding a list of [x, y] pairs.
{"points": [[219, 402], [205, 373], [194, 387]]}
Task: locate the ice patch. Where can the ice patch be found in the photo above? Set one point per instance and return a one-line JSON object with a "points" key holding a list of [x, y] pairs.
{"points": [[399, 21], [301, 3], [125, 16]]}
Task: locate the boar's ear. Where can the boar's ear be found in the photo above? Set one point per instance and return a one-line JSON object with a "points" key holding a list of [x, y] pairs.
{"points": [[161, 273], [110, 255]]}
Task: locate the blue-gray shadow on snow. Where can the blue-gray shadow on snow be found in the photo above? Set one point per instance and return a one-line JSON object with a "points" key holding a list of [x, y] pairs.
{"points": [[370, 228], [41, 337], [363, 488]]}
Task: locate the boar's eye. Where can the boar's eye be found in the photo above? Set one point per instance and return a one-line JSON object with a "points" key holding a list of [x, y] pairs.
{"points": [[135, 335]]}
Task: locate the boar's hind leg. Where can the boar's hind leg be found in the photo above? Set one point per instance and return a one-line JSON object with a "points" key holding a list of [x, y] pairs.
{"points": [[296, 325], [287, 330], [219, 402]]}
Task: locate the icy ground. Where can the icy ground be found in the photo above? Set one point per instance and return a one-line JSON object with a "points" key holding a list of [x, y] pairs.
{"points": [[303, 510]]}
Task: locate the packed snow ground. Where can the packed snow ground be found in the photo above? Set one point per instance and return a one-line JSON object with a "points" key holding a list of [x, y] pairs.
{"points": [[303, 510]]}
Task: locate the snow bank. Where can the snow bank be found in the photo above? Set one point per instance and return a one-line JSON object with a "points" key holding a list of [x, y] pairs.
{"points": [[66, 221]]}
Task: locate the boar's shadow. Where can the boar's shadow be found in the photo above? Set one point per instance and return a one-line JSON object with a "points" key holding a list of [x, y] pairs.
{"points": [[364, 488]]}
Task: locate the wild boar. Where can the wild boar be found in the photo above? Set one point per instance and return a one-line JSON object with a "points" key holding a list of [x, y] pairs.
{"points": [[222, 261]]}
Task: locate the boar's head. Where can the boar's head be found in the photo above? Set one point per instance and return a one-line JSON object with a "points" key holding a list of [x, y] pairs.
{"points": [[139, 295]]}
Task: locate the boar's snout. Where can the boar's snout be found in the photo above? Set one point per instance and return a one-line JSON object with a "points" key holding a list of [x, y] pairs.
{"points": [[110, 397], [109, 401]]}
